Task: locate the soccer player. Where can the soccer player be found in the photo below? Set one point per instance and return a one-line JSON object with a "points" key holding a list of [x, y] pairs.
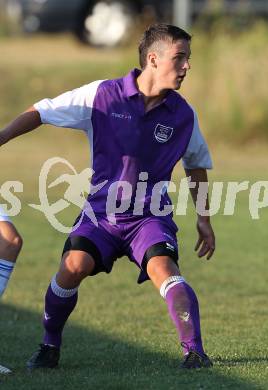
{"points": [[138, 127], [10, 246]]}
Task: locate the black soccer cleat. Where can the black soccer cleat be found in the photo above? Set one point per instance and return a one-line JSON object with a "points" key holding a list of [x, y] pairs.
{"points": [[194, 360], [47, 356], [4, 370]]}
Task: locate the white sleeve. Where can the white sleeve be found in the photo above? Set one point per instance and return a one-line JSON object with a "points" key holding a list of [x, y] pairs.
{"points": [[71, 109], [197, 154]]}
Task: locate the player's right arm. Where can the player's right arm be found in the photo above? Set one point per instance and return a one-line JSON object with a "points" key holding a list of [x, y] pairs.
{"points": [[72, 109], [24, 123]]}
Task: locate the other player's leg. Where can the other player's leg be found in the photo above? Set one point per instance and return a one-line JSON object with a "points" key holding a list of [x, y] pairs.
{"points": [[10, 246]]}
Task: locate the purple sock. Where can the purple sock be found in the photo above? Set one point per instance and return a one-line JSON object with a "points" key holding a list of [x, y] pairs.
{"points": [[57, 311], [183, 309]]}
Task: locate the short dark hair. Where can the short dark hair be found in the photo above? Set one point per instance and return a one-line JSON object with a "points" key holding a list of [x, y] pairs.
{"points": [[159, 32]]}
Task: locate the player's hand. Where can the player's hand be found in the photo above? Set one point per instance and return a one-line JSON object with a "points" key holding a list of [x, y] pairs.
{"points": [[205, 244]]}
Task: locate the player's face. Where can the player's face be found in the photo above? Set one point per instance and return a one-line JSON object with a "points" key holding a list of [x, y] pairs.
{"points": [[172, 64]]}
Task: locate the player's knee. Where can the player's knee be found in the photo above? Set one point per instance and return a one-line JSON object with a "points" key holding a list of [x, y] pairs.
{"points": [[79, 266], [11, 246], [17, 243], [161, 264]]}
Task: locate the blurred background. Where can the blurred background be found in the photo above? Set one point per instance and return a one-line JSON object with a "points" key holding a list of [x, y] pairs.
{"points": [[229, 73]]}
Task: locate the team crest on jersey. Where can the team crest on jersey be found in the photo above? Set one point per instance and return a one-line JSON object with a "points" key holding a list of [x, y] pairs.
{"points": [[163, 133]]}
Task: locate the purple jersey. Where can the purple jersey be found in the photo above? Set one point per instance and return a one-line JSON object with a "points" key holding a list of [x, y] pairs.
{"points": [[128, 144], [134, 141]]}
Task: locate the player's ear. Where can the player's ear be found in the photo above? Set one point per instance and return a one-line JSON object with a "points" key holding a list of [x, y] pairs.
{"points": [[152, 59]]}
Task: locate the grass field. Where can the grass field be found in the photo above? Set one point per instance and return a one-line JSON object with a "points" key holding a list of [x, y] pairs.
{"points": [[120, 336]]}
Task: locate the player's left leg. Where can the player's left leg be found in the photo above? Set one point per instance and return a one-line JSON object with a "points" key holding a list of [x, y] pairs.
{"points": [[153, 246], [183, 308]]}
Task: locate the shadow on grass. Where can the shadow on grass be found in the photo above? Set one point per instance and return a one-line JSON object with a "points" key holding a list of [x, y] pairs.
{"points": [[92, 360]]}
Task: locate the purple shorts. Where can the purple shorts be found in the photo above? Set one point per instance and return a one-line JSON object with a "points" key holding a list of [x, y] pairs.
{"points": [[131, 236]]}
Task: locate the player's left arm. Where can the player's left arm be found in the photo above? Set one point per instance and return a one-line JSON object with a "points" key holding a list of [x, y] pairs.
{"points": [[205, 244], [196, 161]]}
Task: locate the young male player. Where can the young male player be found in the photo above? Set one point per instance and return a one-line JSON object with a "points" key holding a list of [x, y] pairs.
{"points": [[10, 246], [138, 128]]}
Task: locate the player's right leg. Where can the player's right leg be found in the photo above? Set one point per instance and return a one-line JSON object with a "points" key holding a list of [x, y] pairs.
{"points": [[61, 298], [88, 251]]}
